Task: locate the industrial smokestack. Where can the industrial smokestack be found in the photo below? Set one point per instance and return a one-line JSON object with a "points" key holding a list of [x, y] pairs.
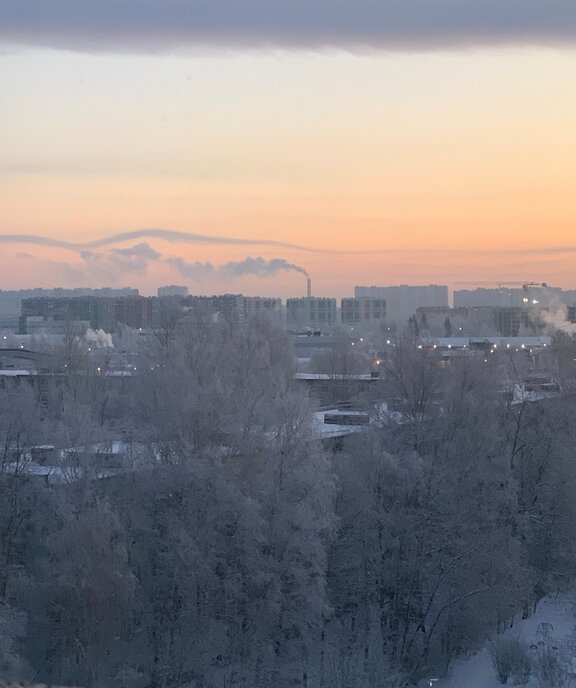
{"points": [[308, 287]]}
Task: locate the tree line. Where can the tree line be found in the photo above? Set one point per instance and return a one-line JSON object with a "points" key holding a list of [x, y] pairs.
{"points": [[234, 549]]}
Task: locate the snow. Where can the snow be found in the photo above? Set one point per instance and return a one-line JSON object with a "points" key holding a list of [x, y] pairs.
{"points": [[477, 671], [521, 395], [326, 431], [12, 372]]}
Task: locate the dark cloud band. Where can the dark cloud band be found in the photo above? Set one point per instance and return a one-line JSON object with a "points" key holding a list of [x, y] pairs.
{"points": [[165, 234], [177, 237], [136, 25]]}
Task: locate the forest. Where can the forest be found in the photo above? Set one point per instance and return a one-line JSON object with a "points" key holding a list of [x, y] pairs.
{"points": [[193, 531]]}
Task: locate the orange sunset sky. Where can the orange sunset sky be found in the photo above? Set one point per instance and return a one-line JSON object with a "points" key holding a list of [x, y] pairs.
{"points": [[429, 164]]}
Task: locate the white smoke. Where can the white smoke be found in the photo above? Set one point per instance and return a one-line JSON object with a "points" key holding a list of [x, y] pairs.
{"points": [[555, 316], [261, 267], [99, 339]]}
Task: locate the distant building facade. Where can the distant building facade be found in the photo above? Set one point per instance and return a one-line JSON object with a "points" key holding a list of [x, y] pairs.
{"points": [[228, 307], [172, 290], [267, 306], [11, 300], [234, 308], [508, 322], [504, 321], [505, 297], [315, 312], [362, 311], [104, 313], [403, 300]]}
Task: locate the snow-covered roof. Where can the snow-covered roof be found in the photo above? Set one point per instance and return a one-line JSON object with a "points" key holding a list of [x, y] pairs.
{"points": [[12, 372], [327, 376], [451, 341], [461, 342], [326, 431]]}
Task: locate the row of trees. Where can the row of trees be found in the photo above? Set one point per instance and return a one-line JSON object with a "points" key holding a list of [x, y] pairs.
{"points": [[234, 549]]}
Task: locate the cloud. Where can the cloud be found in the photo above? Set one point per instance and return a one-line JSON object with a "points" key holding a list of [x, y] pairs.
{"points": [[249, 266], [165, 234], [191, 270], [141, 251], [177, 237], [93, 267], [118, 261], [143, 25]]}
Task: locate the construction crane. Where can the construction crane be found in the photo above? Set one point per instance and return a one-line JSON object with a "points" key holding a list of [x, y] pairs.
{"points": [[526, 299], [524, 285]]}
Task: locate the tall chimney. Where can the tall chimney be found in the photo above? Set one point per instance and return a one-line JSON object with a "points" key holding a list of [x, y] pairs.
{"points": [[308, 287]]}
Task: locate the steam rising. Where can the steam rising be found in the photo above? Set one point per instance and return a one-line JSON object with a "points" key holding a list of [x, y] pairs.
{"points": [[99, 339], [260, 267], [555, 316]]}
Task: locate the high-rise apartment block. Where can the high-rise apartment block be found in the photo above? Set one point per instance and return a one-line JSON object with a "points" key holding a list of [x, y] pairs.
{"points": [[235, 308], [172, 290], [263, 306], [11, 300], [104, 313], [505, 297], [314, 311], [362, 311], [403, 300]]}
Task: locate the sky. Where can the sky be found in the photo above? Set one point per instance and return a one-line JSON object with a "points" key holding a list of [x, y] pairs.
{"points": [[235, 146]]}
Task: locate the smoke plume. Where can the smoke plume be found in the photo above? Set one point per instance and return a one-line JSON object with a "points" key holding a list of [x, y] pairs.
{"points": [[261, 267]]}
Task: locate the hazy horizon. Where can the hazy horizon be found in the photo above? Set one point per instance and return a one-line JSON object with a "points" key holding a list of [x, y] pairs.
{"points": [[429, 146]]}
